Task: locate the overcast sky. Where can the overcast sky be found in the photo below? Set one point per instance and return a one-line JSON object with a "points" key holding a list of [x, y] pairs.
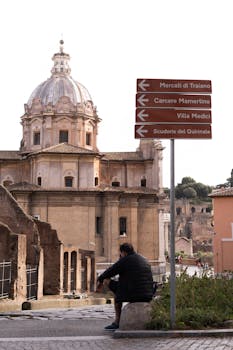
{"points": [[111, 44]]}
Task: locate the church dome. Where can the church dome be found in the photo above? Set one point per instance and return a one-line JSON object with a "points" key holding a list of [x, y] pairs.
{"points": [[60, 84], [59, 110]]}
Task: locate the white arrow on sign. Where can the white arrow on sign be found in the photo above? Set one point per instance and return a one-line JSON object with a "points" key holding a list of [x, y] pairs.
{"points": [[142, 99], [143, 85], [141, 131], [142, 115]]}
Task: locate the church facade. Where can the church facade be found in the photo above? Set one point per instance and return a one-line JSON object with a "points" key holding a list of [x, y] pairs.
{"points": [[94, 200]]}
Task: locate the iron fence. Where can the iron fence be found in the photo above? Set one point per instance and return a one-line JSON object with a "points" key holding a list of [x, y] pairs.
{"points": [[32, 282], [5, 279]]}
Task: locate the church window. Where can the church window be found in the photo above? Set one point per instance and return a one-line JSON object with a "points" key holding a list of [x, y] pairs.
{"points": [[98, 225], [63, 136], [143, 182], [115, 183], [36, 138], [88, 139], [68, 181], [122, 224], [96, 181], [7, 183], [39, 181]]}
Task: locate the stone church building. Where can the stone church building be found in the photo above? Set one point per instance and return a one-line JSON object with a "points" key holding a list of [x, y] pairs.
{"points": [[91, 201]]}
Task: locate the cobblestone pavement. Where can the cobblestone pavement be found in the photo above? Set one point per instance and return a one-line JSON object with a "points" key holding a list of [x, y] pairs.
{"points": [[104, 340], [105, 311], [107, 342]]}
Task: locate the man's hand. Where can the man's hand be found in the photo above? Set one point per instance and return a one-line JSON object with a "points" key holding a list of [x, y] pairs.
{"points": [[99, 287]]}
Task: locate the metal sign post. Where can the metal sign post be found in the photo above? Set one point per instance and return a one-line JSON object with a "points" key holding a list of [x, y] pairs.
{"points": [[172, 237], [173, 109]]}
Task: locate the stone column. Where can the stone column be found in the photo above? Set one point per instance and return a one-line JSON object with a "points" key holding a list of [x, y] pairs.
{"points": [[111, 227], [93, 274], [19, 276], [40, 275], [78, 272], [133, 227], [88, 272], [69, 272], [162, 235]]}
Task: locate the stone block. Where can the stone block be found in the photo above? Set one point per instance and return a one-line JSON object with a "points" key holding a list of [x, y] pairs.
{"points": [[134, 316]]}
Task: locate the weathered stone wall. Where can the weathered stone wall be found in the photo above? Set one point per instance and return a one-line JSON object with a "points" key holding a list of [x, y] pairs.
{"points": [[13, 249], [5, 249], [12, 215], [52, 249], [27, 241], [194, 222]]}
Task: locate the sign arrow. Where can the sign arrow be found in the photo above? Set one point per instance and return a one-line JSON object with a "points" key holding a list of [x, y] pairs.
{"points": [[142, 115], [142, 100], [141, 131], [143, 85]]}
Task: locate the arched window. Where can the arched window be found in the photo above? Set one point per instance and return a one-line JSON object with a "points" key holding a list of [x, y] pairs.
{"points": [[39, 181]]}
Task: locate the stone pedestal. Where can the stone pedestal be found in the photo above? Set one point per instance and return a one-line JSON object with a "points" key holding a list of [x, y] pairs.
{"points": [[134, 316]]}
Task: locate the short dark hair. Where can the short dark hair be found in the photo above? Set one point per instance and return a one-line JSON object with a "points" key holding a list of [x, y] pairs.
{"points": [[127, 247]]}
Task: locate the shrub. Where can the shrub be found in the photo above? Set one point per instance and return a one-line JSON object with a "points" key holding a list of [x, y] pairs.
{"points": [[200, 303]]}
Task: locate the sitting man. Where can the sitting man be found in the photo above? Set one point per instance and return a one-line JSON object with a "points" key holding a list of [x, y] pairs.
{"points": [[135, 280]]}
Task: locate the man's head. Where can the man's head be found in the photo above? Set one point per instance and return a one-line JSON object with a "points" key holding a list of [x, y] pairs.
{"points": [[126, 249]]}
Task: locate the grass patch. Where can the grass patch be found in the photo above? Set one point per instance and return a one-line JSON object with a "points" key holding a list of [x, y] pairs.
{"points": [[201, 303]]}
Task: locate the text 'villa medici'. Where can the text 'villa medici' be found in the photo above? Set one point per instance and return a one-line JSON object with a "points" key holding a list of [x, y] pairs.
{"points": [[191, 116]]}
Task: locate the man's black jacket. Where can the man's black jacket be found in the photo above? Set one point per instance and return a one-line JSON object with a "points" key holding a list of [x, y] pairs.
{"points": [[135, 278]]}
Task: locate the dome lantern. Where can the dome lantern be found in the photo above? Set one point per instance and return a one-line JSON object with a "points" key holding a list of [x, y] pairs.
{"points": [[61, 62]]}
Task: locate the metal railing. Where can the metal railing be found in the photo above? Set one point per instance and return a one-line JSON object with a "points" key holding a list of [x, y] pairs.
{"points": [[5, 279], [32, 282]]}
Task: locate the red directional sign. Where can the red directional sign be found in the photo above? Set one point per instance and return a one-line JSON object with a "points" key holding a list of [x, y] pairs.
{"points": [[173, 100], [173, 131], [167, 85], [173, 109], [155, 115]]}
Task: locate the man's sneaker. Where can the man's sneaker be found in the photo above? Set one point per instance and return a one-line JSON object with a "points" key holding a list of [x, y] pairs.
{"points": [[112, 327]]}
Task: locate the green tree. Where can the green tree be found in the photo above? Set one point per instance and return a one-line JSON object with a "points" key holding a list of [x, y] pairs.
{"points": [[230, 179], [202, 190], [189, 188], [189, 192], [187, 180]]}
